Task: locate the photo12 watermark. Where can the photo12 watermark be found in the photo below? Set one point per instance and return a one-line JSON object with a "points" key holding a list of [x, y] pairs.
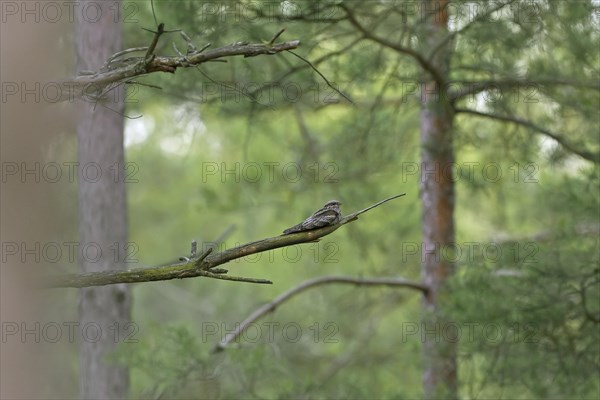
{"points": [[269, 171], [317, 252], [27, 92], [271, 332], [52, 12], [461, 13], [68, 331], [67, 171], [471, 332], [470, 171], [249, 12], [54, 252], [471, 252], [470, 92]]}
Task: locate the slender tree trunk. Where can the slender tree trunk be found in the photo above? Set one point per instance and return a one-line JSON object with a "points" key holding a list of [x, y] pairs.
{"points": [[437, 198], [103, 311]]}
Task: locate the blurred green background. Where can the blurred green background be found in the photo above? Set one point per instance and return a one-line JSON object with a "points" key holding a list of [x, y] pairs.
{"points": [[525, 297]]}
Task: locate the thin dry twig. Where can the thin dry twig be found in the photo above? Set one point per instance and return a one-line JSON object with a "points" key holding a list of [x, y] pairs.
{"points": [[309, 284], [322, 76]]}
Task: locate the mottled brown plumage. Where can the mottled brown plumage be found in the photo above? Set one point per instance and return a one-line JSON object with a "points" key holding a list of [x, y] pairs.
{"points": [[328, 215]]}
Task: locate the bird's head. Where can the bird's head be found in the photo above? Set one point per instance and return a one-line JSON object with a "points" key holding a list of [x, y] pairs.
{"points": [[332, 204]]}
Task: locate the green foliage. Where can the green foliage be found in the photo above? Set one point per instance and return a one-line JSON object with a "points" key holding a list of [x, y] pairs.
{"points": [[535, 224], [535, 307], [534, 313], [164, 360]]}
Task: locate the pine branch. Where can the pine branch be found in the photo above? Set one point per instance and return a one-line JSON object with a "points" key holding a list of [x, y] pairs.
{"points": [[418, 57], [593, 157]]}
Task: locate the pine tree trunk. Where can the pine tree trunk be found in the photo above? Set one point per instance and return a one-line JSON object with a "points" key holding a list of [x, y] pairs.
{"points": [[103, 311], [437, 199]]}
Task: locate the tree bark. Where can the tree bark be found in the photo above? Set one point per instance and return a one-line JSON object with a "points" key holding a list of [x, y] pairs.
{"points": [[437, 199], [103, 311]]}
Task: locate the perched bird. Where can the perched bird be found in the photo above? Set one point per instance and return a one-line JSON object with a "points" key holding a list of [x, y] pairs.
{"points": [[328, 215]]}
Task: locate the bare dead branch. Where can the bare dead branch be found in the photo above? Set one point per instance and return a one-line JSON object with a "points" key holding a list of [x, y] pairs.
{"points": [[150, 52], [118, 71], [202, 265], [309, 284]]}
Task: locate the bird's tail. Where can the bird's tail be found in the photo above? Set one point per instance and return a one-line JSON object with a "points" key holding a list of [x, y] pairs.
{"points": [[295, 228]]}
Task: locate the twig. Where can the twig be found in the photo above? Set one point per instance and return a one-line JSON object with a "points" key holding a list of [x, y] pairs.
{"points": [[235, 278], [190, 46], [153, 13], [356, 214], [206, 46], [233, 88], [194, 249], [122, 53], [322, 76], [150, 52], [143, 84], [267, 308], [223, 236], [276, 36], [204, 255]]}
